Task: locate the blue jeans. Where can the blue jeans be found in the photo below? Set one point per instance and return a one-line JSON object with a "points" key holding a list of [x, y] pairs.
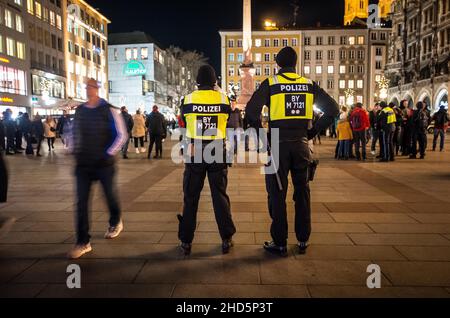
{"points": [[85, 176], [344, 149], [437, 133]]}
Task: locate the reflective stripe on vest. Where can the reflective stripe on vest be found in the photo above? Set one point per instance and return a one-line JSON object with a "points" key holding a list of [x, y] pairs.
{"points": [[391, 118], [206, 114], [291, 99]]}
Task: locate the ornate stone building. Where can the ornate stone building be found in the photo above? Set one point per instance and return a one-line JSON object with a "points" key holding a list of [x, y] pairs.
{"points": [[418, 57]]}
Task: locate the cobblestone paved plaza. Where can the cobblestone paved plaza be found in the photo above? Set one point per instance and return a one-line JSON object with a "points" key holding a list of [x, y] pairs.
{"points": [[396, 215]]}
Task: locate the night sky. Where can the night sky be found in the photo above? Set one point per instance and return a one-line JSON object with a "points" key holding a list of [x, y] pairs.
{"points": [[194, 24]]}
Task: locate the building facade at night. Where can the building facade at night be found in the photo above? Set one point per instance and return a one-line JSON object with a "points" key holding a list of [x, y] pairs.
{"points": [[15, 86], [86, 53], [265, 46], [143, 74], [359, 10], [48, 50], [346, 62], [47, 55], [418, 61]]}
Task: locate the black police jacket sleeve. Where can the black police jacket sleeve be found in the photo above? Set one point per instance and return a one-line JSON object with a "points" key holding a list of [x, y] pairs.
{"points": [[254, 107], [328, 106]]}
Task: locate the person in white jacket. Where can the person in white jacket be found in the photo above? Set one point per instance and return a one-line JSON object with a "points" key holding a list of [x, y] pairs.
{"points": [[138, 131], [50, 132]]}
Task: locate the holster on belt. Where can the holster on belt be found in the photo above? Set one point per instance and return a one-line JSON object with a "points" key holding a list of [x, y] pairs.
{"points": [[312, 167]]}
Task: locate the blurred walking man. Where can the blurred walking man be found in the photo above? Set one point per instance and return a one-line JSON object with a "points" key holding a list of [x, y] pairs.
{"points": [[99, 134]]}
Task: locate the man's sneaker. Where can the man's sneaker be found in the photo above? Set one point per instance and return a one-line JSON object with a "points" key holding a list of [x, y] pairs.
{"points": [[373, 153], [422, 157], [271, 247], [6, 225], [302, 247], [114, 231], [137, 150], [143, 150], [186, 248], [226, 246], [79, 250]]}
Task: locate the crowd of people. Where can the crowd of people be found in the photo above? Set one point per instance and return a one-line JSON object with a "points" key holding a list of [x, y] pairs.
{"points": [[22, 134], [398, 131], [140, 126]]}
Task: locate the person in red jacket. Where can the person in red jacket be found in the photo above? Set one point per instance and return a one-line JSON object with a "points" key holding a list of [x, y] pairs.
{"points": [[359, 120]]}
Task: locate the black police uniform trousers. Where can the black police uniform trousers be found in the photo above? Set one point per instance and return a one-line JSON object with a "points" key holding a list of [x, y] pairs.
{"points": [[387, 148], [193, 182], [294, 158]]}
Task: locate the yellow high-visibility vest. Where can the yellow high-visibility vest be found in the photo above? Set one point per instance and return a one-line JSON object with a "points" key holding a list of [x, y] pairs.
{"points": [[391, 118], [206, 113], [291, 99]]}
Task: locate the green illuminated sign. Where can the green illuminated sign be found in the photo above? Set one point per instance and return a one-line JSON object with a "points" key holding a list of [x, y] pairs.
{"points": [[134, 68]]}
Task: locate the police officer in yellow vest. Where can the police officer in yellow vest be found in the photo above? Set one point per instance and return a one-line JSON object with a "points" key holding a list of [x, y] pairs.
{"points": [[290, 99], [205, 113], [387, 123]]}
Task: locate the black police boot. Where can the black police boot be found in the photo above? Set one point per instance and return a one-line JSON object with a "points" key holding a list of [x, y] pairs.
{"points": [[226, 246], [412, 157], [186, 248], [271, 247], [302, 247]]}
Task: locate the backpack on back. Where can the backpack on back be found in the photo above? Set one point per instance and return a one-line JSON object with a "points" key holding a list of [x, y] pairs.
{"points": [[421, 121], [356, 121]]}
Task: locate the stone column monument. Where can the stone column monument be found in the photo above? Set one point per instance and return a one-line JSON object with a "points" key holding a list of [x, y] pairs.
{"points": [[247, 71]]}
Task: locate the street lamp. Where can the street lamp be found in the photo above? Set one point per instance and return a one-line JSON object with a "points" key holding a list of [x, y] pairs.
{"points": [[270, 25]]}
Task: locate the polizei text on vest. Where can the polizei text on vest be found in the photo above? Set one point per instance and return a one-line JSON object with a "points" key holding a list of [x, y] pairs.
{"points": [[295, 88]]}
